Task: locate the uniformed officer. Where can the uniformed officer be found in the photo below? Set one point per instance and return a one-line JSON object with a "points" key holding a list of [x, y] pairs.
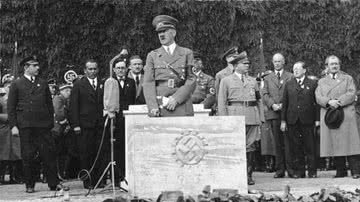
{"points": [[205, 91], [239, 95], [168, 79], [228, 56]]}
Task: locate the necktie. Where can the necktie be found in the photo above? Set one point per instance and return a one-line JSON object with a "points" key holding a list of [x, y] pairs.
{"points": [[168, 50], [299, 82], [137, 80], [93, 84], [242, 78], [32, 79], [333, 76], [278, 75]]}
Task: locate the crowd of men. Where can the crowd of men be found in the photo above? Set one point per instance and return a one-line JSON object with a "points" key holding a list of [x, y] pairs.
{"points": [[282, 110]]}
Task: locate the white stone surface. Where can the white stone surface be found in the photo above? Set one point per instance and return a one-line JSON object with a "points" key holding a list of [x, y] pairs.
{"points": [[142, 109], [185, 154]]}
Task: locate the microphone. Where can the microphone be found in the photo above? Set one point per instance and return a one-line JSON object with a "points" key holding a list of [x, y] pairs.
{"points": [[111, 95]]}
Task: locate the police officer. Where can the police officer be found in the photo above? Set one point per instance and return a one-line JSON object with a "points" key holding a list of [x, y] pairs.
{"points": [[239, 95], [168, 79], [205, 91]]}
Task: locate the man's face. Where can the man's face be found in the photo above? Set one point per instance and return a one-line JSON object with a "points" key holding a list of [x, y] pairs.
{"points": [[242, 68], [278, 61], [91, 70], [32, 69], [298, 70], [52, 89], [167, 36], [198, 65], [136, 66], [120, 69], [333, 65], [66, 93]]}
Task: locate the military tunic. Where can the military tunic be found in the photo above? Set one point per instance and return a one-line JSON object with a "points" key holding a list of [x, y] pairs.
{"points": [[204, 92], [169, 75], [233, 90]]}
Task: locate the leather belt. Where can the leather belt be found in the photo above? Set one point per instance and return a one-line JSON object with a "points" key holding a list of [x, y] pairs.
{"points": [[167, 83], [243, 103]]}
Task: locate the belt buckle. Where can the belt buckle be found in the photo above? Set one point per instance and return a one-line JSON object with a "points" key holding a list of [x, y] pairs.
{"points": [[171, 83]]}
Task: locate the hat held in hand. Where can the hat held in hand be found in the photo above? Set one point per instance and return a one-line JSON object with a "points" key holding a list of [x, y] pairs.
{"points": [[334, 117]]}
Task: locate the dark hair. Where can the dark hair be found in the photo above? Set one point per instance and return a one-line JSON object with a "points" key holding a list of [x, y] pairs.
{"points": [[90, 61], [120, 59]]}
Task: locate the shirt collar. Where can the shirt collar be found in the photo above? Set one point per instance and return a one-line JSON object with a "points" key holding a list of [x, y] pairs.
{"points": [[135, 75], [238, 75], [28, 77], [198, 73], [301, 79], [171, 47], [91, 80], [281, 71]]}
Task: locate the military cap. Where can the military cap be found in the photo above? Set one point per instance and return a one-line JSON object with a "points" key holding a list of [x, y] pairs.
{"points": [[240, 58], [164, 22], [334, 117], [51, 82], [29, 60], [65, 86], [231, 52]]}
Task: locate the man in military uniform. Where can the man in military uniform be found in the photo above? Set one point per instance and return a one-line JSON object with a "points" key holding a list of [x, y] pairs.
{"points": [[239, 95], [228, 56], [204, 92], [168, 79]]}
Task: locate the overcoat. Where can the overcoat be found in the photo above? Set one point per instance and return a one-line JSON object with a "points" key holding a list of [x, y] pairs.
{"points": [[162, 68], [345, 140]]}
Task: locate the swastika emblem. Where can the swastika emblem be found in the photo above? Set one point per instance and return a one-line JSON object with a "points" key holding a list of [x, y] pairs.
{"points": [[190, 148]]}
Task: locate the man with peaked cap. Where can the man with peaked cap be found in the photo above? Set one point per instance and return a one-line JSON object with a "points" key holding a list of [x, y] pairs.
{"points": [[31, 116], [239, 95], [228, 56], [168, 79], [204, 92]]}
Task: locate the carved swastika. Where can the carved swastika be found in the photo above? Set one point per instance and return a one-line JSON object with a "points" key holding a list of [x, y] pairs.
{"points": [[189, 148]]}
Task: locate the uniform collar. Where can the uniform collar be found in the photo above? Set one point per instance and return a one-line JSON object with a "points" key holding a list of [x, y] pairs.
{"points": [[171, 47]]}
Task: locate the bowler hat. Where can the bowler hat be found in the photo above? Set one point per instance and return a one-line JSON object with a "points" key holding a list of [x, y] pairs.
{"points": [[164, 22], [240, 58], [334, 117]]}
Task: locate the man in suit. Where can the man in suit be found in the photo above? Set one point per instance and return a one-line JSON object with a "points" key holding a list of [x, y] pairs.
{"points": [[272, 94], [337, 90], [127, 94], [86, 118], [204, 92], [136, 73], [168, 79], [31, 116], [239, 95], [300, 114]]}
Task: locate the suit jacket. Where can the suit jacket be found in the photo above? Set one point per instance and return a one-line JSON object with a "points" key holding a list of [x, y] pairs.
{"points": [[29, 104], [299, 102], [139, 99], [273, 92], [156, 69], [61, 107], [86, 104], [127, 94]]}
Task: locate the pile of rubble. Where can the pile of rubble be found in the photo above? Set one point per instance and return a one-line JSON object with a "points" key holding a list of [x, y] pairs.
{"points": [[229, 195]]}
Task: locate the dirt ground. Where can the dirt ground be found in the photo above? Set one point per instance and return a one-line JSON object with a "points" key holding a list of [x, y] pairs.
{"points": [[264, 182]]}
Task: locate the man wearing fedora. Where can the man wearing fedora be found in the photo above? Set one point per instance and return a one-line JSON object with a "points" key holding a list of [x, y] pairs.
{"points": [[31, 115], [338, 138], [239, 95], [168, 79]]}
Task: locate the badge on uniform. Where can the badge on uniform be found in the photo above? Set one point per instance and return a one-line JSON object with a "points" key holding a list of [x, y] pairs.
{"points": [[38, 85], [212, 91], [281, 81]]}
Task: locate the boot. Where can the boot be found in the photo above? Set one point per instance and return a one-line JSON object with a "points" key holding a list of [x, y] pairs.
{"points": [[250, 165]]}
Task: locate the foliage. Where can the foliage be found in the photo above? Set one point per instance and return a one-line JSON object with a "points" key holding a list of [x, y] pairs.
{"points": [[69, 32]]}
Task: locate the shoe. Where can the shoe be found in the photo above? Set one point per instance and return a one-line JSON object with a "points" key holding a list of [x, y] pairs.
{"points": [[295, 176], [250, 181], [30, 190], [56, 187], [356, 176], [312, 176], [279, 175]]}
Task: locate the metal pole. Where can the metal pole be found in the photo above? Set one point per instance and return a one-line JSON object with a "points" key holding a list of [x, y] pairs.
{"points": [[112, 156]]}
